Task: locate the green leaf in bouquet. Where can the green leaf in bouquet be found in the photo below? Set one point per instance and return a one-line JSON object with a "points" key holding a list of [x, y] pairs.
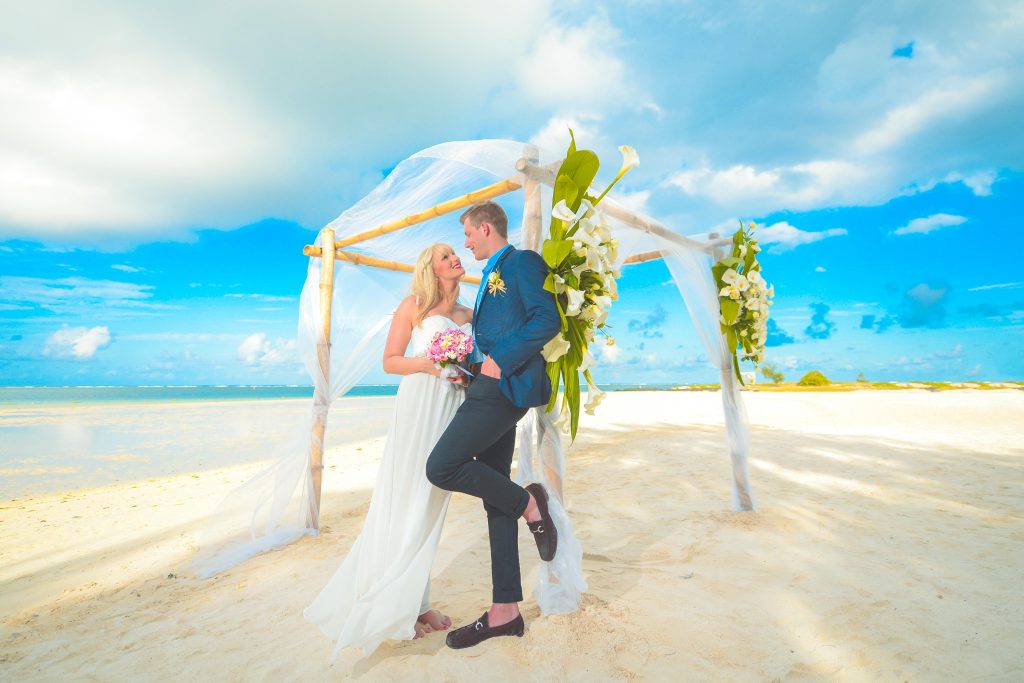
{"points": [[564, 188], [730, 310], [577, 342], [750, 261], [571, 376], [730, 339], [572, 143], [581, 166], [736, 368], [561, 311], [554, 252], [549, 283], [554, 374], [730, 262]]}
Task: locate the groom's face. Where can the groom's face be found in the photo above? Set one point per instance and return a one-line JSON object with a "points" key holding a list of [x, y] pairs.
{"points": [[476, 239]]}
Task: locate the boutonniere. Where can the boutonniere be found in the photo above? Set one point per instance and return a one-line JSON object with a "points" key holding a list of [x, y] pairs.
{"points": [[495, 285]]}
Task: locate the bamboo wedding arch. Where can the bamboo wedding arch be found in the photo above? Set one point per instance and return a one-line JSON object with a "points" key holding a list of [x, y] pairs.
{"points": [[528, 178], [344, 312]]}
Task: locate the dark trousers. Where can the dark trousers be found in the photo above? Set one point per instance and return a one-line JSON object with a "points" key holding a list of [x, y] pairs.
{"points": [[474, 456]]}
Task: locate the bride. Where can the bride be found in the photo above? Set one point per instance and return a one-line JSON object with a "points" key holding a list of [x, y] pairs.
{"points": [[382, 589]]}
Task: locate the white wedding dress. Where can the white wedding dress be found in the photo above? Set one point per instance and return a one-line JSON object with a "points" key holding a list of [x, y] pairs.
{"points": [[383, 583]]}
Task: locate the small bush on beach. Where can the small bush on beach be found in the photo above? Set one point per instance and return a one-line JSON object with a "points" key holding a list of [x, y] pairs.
{"points": [[861, 377], [814, 378], [770, 373]]}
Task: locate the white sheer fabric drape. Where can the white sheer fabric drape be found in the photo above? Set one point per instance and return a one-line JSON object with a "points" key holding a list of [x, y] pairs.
{"points": [[274, 507]]}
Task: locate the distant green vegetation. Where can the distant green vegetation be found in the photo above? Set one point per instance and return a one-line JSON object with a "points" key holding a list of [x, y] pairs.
{"points": [[865, 386], [814, 378], [772, 374]]}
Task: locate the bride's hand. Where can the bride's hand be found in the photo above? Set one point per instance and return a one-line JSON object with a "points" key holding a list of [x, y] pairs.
{"points": [[430, 367]]}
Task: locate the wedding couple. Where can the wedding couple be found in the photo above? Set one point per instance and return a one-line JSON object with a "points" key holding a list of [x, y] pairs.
{"points": [[450, 434]]}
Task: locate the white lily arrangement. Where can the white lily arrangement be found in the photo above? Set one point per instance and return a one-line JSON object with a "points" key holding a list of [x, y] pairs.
{"points": [[582, 255], [744, 298]]}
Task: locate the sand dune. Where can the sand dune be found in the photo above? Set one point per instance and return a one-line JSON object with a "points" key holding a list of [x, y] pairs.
{"points": [[887, 546]]}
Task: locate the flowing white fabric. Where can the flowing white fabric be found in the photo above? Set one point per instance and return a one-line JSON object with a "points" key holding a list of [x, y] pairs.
{"points": [[274, 508], [691, 271], [381, 586], [560, 582]]}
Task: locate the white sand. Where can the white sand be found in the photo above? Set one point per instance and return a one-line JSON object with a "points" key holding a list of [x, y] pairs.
{"points": [[887, 546]]}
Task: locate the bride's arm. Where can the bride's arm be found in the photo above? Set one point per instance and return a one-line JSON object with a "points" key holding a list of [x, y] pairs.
{"points": [[395, 360]]}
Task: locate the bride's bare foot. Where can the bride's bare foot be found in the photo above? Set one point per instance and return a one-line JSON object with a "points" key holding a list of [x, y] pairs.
{"points": [[435, 620], [421, 629]]}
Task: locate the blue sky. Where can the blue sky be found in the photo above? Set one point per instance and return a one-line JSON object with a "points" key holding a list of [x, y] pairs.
{"points": [[161, 169]]}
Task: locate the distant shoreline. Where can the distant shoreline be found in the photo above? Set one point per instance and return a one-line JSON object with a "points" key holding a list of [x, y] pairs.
{"points": [[85, 395]]}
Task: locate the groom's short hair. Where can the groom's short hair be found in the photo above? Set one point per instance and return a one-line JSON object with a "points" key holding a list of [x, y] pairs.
{"points": [[487, 212]]}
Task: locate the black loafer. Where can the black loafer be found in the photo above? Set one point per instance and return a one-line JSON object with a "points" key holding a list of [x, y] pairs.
{"points": [[479, 631], [543, 529]]}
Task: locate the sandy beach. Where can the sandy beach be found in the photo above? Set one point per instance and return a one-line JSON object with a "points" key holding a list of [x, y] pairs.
{"points": [[887, 546]]}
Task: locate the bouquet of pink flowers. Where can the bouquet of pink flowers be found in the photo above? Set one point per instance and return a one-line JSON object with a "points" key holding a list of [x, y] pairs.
{"points": [[450, 346]]}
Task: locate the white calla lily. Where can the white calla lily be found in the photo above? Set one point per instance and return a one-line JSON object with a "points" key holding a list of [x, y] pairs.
{"points": [[630, 159], [562, 212], [587, 362], [555, 349], [564, 421], [594, 397], [575, 301], [729, 277]]}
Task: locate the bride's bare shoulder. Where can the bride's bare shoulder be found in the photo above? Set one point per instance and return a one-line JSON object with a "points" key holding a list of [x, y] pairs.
{"points": [[464, 313], [406, 308]]}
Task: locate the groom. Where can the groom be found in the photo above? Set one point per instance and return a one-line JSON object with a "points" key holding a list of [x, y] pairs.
{"points": [[513, 319]]}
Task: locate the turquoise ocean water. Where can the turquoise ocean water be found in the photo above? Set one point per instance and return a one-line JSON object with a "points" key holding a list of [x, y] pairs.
{"points": [[65, 438]]}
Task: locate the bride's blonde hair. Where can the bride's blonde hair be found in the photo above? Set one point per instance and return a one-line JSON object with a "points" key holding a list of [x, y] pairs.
{"points": [[425, 282]]}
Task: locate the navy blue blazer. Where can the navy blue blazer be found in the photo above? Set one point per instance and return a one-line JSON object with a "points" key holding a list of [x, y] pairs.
{"points": [[512, 327]]}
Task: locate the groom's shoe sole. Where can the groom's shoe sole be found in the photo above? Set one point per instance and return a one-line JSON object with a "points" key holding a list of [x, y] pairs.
{"points": [[479, 631], [543, 530]]}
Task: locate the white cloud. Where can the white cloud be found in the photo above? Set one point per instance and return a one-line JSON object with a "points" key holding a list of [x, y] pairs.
{"points": [[925, 225], [77, 342], [819, 269], [126, 268], [784, 236], [256, 350], [260, 297], [926, 295], [611, 354], [1003, 285], [575, 65], [194, 115], [554, 136], [76, 294], [747, 190]]}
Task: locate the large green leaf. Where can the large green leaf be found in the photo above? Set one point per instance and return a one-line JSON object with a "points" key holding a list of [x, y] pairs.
{"points": [[565, 188], [730, 310], [581, 167], [561, 311], [555, 251], [549, 283], [554, 374], [731, 262], [571, 377]]}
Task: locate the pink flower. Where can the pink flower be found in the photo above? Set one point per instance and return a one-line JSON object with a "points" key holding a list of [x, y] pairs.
{"points": [[450, 346]]}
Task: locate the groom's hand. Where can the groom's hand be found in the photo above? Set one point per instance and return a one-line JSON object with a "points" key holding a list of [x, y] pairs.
{"points": [[490, 368]]}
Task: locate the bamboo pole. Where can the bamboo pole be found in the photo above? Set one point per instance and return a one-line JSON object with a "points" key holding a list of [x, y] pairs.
{"points": [[374, 262], [533, 215], [546, 175], [320, 399], [642, 258], [476, 196]]}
